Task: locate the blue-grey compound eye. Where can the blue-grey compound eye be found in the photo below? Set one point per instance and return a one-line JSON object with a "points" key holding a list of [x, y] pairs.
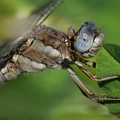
{"points": [[85, 39], [92, 25]]}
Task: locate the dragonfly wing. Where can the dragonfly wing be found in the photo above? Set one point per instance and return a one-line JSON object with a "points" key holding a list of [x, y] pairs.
{"points": [[37, 17], [9, 49]]}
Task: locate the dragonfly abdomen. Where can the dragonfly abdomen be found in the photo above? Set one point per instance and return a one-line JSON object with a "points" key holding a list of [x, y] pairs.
{"points": [[9, 72]]}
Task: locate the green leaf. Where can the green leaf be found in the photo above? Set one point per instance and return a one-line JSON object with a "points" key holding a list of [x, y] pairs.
{"points": [[108, 64], [114, 51], [108, 61]]}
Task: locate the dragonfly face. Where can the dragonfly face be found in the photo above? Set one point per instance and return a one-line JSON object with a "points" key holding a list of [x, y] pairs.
{"points": [[88, 40], [45, 47]]}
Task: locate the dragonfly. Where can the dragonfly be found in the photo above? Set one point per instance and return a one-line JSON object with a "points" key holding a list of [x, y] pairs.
{"points": [[43, 47]]}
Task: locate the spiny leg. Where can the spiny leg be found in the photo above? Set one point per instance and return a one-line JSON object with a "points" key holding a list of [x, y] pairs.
{"points": [[91, 75], [87, 92], [81, 58]]}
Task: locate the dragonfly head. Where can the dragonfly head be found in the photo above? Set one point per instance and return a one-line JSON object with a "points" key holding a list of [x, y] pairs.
{"points": [[88, 40]]}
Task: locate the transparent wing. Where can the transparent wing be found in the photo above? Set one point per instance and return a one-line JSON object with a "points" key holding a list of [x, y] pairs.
{"points": [[37, 17]]}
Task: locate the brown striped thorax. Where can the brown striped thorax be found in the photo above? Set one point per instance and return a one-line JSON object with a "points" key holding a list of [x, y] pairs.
{"points": [[60, 46]]}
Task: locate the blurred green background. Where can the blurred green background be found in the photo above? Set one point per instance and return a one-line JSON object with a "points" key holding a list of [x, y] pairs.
{"points": [[52, 94]]}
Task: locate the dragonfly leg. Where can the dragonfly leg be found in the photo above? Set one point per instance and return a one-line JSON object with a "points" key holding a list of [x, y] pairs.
{"points": [[87, 92], [92, 76]]}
